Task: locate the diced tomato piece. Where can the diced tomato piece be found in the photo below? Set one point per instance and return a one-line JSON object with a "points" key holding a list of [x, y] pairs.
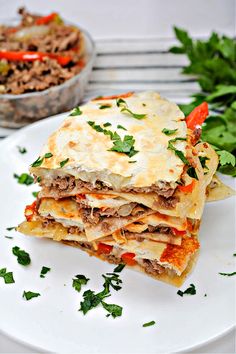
{"points": [[30, 211], [104, 249], [123, 95], [188, 188], [178, 232], [128, 258], [197, 116]]}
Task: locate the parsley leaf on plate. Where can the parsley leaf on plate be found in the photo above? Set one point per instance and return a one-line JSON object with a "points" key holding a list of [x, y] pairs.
{"points": [[92, 299], [23, 257], [112, 309], [191, 290], [11, 228], [24, 178], [28, 295], [228, 274], [44, 271], [148, 324], [119, 268], [35, 194], [7, 276], [78, 281], [22, 149]]}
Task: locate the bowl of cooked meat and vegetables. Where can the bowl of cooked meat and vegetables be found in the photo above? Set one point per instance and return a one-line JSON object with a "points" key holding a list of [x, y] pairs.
{"points": [[44, 67]]}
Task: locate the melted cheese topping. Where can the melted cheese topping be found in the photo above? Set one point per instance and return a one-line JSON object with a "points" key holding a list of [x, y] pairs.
{"points": [[88, 149]]}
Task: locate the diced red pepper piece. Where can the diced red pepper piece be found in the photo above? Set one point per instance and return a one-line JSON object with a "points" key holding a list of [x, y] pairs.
{"points": [[197, 116], [124, 95], [104, 248], [178, 232], [188, 188], [128, 258], [32, 56], [46, 19], [30, 211]]}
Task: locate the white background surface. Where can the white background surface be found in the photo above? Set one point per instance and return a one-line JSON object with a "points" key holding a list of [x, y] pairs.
{"points": [[108, 19]]}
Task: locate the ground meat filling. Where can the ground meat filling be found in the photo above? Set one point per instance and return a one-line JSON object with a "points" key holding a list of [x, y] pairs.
{"points": [[60, 186], [55, 38], [149, 266], [94, 216], [152, 267]]}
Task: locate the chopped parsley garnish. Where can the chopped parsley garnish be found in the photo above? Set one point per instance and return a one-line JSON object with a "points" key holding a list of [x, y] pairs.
{"points": [[7, 276], [92, 300], [40, 159], [104, 106], [76, 112], [203, 160], [119, 268], [228, 274], [35, 194], [22, 150], [234, 254], [134, 115], [64, 162], [78, 281], [148, 324], [9, 237], [132, 161], [121, 103], [112, 309], [39, 179], [177, 152], [169, 131], [44, 271], [95, 127], [192, 172], [111, 280], [191, 290], [22, 256], [11, 228], [24, 178], [48, 155], [107, 124], [121, 127], [125, 146], [28, 295]]}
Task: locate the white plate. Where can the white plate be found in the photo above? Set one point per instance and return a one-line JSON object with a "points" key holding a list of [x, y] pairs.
{"points": [[52, 322]]}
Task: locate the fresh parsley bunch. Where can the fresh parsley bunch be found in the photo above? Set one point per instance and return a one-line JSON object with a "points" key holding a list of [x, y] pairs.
{"points": [[213, 62]]}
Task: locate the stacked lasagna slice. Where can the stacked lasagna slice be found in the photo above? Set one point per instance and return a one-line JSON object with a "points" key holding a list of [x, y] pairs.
{"points": [[125, 179]]}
